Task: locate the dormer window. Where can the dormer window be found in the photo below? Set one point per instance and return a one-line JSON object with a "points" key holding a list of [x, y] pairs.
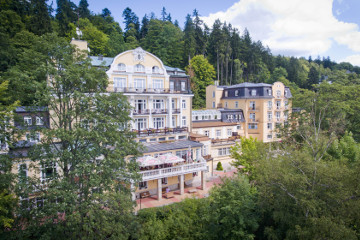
{"points": [[253, 92], [236, 92], [226, 93], [121, 67], [28, 120], [39, 121], [155, 69], [139, 68], [285, 92], [270, 92]]}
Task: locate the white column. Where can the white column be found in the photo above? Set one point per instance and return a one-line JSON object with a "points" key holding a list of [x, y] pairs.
{"points": [[181, 184], [149, 81], [170, 112], [203, 180], [132, 104], [181, 111], [159, 190], [150, 106]]}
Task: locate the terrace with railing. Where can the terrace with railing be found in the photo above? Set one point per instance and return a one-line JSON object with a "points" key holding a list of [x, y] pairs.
{"points": [[173, 171], [160, 131]]}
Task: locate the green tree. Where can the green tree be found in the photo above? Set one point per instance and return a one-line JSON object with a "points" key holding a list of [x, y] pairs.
{"points": [[246, 155], [83, 9], [232, 212], [65, 14], [97, 40], [313, 77], [84, 179], [8, 200], [189, 39], [202, 74], [40, 20]]}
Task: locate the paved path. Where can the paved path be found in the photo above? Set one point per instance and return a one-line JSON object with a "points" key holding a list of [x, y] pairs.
{"points": [[153, 202]]}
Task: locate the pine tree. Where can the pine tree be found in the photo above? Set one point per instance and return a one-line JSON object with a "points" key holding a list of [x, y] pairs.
{"points": [[189, 39], [131, 22], [163, 14], [144, 27], [65, 14], [83, 9], [40, 21]]}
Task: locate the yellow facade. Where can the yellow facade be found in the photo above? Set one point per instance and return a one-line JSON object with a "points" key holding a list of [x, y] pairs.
{"points": [[262, 114]]}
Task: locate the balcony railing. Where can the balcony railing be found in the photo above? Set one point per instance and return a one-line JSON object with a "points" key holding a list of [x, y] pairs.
{"points": [[253, 120], [229, 140], [254, 109], [161, 131], [173, 171], [141, 111], [149, 90], [159, 111], [176, 110]]}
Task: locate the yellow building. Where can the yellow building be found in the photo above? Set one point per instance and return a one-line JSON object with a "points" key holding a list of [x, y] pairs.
{"points": [[265, 106]]}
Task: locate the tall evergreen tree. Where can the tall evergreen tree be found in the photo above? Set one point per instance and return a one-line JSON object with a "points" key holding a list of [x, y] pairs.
{"points": [[83, 9], [65, 14], [131, 22], [163, 14], [40, 21], [313, 77], [198, 34], [189, 39], [144, 26]]}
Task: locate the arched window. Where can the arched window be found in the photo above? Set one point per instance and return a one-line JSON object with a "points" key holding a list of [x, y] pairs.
{"points": [[139, 68], [155, 69], [121, 67]]}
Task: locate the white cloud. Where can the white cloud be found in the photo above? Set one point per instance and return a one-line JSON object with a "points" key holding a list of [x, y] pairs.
{"points": [[353, 59], [296, 27]]}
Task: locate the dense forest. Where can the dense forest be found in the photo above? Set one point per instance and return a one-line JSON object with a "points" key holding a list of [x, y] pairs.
{"points": [[235, 56], [304, 187]]}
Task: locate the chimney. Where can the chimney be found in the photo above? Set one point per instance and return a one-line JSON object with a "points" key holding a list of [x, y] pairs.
{"points": [[100, 57], [216, 83]]}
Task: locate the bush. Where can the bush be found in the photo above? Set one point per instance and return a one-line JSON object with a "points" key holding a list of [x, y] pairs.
{"points": [[219, 167]]}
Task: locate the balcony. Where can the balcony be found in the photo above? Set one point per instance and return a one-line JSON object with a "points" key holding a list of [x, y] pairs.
{"points": [[173, 171], [230, 140], [253, 109], [159, 111], [157, 132], [150, 90], [141, 111], [175, 111]]}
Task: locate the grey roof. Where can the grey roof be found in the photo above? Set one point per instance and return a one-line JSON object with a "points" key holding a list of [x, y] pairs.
{"points": [[173, 69], [24, 109], [106, 61], [247, 84], [159, 147]]}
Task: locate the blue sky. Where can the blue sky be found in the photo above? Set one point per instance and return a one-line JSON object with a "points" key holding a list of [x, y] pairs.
{"points": [[288, 27]]}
